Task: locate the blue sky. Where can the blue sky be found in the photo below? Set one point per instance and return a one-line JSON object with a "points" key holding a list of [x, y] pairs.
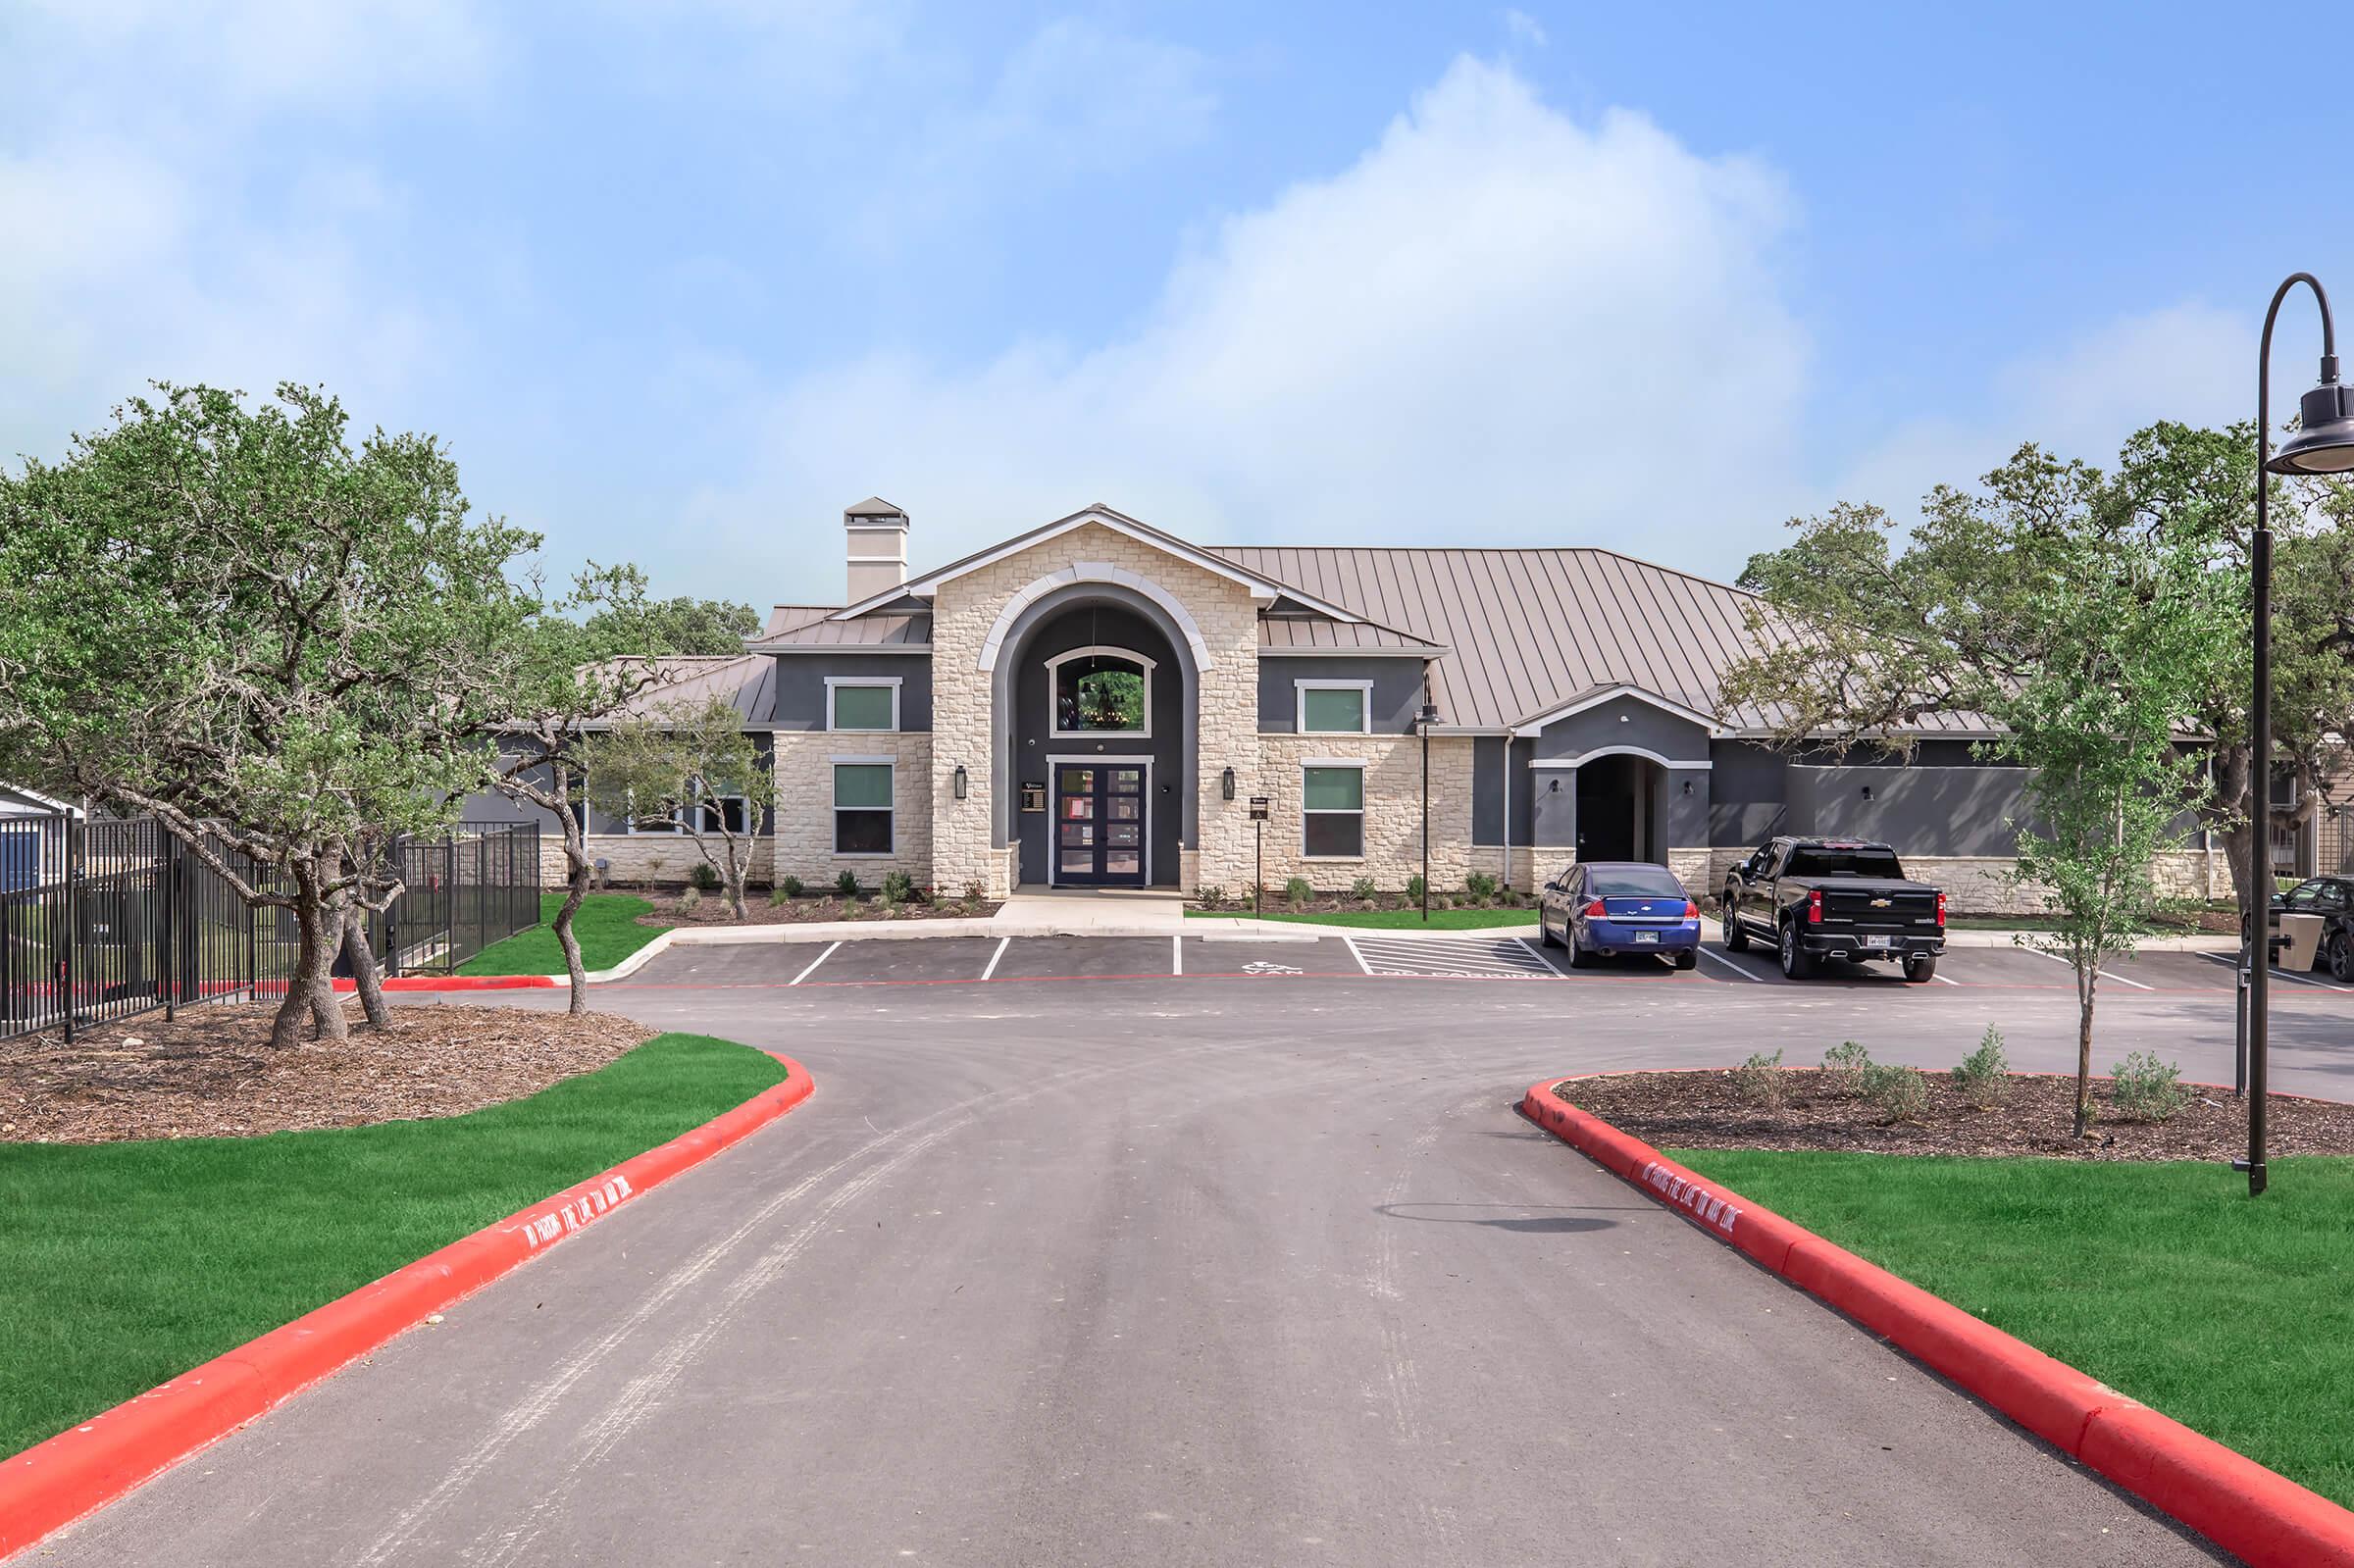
{"points": [[677, 283]]}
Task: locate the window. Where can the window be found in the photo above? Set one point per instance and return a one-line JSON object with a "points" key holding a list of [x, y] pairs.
{"points": [[1843, 860], [1334, 707], [863, 805], [726, 811], [1332, 809], [1101, 691], [871, 703], [1637, 882], [652, 822]]}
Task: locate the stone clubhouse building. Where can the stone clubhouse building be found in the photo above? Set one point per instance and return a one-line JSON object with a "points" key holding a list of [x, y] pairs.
{"points": [[1097, 704]]}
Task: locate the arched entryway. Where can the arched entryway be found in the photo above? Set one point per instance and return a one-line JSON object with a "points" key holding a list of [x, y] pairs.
{"points": [[1100, 719], [1620, 801]]}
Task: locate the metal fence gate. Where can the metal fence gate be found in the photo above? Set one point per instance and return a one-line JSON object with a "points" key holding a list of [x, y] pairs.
{"points": [[105, 919]]}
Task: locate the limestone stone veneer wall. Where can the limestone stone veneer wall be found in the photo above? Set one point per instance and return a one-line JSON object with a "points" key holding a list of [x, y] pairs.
{"points": [[965, 609], [1392, 812]]}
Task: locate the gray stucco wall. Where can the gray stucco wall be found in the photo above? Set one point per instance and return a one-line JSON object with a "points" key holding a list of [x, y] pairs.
{"points": [[1487, 790], [801, 685], [1034, 741], [1397, 690], [1942, 802], [1624, 722], [1749, 795]]}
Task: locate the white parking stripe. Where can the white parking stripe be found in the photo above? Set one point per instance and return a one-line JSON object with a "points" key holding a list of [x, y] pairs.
{"points": [[1506, 958], [2105, 974], [1351, 944], [1176, 955], [813, 963], [1003, 941], [2230, 961], [1715, 957], [1538, 954]]}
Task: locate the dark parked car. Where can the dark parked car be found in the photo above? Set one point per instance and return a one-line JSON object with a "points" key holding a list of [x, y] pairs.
{"points": [[2332, 899], [1818, 898], [1612, 907]]}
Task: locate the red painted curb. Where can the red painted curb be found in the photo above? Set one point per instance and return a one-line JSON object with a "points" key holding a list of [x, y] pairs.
{"points": [[462, 982], [52, 1484], [2258, 1515]]}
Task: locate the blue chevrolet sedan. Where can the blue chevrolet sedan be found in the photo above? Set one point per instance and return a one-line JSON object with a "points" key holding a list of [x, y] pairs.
{"points": [[1613, 907]]}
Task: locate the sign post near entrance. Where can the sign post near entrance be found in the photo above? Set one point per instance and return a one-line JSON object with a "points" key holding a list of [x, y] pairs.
{"points": [[1258, 852]]}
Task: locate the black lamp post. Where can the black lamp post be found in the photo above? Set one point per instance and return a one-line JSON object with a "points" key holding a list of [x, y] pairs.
{"points": [[1423, 722], [2322, 444]]}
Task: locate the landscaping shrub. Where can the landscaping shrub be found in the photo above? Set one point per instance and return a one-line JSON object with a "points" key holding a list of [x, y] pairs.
{"points": [[1414, 890], [1298, 891], [1364, 891], [690, 897], [777, 895], [702, 877], [1986, 1073], [975, 890], [897, 888], [1901, 1094], [790, 887], [847, 885], [1843, 1068], [1480, 886], [2147, 1090], [1759, 1081], [1209, 895]]}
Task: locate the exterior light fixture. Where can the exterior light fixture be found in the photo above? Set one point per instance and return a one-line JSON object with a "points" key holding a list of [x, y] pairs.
{"points": [[1226, 784], [1867, 791], [1688, 787], [964, 784], [2322, 444]]}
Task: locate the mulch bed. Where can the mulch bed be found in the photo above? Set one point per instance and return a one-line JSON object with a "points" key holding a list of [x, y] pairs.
{"points": [[712, 910], [212, 1073], [2036, 1117]]}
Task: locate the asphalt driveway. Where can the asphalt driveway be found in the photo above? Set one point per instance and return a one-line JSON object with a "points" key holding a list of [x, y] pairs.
{"points": [[1142, 1255]]}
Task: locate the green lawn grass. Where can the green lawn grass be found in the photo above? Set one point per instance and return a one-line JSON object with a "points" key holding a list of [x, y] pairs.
{"points": [[605, 926], [1390, 918], [122, 1265], [2235, 1316]]}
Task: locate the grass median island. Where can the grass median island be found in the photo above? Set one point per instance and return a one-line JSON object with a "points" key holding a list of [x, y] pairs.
{"points": [[122, 1265], [2234, 1316], [1387, 919], [605, 926]]}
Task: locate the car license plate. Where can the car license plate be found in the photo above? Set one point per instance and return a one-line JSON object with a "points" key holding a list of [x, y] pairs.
{"points": [[1879, 941], [1651, 937]]}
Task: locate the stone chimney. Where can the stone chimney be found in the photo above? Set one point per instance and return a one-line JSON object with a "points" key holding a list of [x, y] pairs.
{"points": [[878, 534]]}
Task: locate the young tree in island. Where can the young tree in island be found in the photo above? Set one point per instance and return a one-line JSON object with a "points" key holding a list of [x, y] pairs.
{"points": [[563, 682], [693, 765], [274, 643], [2087, 633]]}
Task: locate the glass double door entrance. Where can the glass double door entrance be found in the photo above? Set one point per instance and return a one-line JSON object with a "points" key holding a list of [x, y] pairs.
{"points": [[1100, 825]]}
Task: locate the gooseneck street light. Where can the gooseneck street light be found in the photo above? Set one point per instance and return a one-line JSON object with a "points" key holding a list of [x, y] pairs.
{"points": [[1423, 722], [2322, 444]]}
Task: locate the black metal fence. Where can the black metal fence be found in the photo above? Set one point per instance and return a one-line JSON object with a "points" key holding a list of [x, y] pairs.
{"points": [[105, 919]]}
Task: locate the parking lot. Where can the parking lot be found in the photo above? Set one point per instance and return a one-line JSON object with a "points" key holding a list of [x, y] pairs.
{"points": [[1397, 955]]}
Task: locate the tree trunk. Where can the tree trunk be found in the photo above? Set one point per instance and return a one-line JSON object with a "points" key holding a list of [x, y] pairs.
{"points": [[310, 989], [576, 888], [362, 960], [2087, 979]]}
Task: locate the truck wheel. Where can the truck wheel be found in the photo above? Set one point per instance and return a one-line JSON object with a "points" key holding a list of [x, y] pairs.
{"points": [[2341, 954], [1797, 962], [1921, 969], [1736, 941]]}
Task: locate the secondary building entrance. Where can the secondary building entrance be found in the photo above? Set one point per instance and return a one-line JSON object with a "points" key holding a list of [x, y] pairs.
{"points": [[1101, 822]]}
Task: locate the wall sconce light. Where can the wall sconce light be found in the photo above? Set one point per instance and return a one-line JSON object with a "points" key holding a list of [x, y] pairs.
{"points": [[1687, 787], [1553, 787], [963, 784], [1867, 791], [1226, 784]]}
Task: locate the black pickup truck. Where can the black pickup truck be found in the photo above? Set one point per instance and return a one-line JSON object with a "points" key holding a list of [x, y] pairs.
{"points": [[1818, 898]]}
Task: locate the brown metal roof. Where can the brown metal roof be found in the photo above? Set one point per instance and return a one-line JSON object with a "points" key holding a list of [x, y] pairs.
{"points": [[790, 617], [747, 681], [1281, 634], [866, 631], [1532, 631]]}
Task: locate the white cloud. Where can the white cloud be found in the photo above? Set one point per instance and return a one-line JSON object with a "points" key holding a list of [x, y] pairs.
{"points": [[1523, 27], [2186, 362], [1499, 325]]}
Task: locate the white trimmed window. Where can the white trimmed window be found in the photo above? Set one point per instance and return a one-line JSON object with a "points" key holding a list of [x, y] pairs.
{"points": [[1334, 707], [733, 812], [862, 703], [1100, 691], [652, 822], [1332, 809], [863, 805]]}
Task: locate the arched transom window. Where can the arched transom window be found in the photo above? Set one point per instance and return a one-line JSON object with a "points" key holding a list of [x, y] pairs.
{"points": [[1101, 691]]}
